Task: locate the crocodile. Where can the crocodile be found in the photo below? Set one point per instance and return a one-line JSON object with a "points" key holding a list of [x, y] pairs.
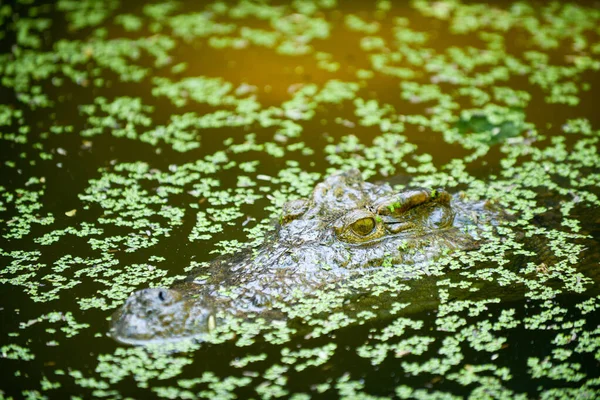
{"points": [[346, 225]]}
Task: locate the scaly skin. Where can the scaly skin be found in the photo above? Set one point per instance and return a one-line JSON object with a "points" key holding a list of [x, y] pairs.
{"points": [[347, 224]]}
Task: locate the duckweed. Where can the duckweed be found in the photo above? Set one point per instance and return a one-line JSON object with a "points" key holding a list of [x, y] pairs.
{"points": [[140, 142]]}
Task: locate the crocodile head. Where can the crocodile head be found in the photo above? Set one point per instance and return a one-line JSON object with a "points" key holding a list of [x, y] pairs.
{"points": [[346, 224]]}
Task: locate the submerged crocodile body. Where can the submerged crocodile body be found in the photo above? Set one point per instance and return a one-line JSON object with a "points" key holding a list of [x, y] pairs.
{"points": [[347, 224]]}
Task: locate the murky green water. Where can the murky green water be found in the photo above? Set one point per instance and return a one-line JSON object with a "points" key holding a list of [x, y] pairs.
{"points": [[139, 140]]}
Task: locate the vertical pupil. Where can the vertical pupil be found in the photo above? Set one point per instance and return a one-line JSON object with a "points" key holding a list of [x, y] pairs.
{"points": [[363, 226]]}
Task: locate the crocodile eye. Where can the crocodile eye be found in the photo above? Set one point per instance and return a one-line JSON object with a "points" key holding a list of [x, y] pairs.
{"points": [[359, 226], [363, 226]]}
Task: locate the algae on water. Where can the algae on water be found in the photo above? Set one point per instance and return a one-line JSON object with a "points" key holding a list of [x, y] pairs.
{"points": [[139, 141]]}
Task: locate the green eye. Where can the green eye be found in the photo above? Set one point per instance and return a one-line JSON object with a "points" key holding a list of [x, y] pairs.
{"points": [[363, 226]]}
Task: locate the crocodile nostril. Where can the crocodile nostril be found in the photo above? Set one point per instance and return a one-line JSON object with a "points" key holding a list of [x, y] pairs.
{"points": [[162, 295]]}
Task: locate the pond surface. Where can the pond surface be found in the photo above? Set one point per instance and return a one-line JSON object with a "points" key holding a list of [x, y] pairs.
{"points": [[140, 141]]}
